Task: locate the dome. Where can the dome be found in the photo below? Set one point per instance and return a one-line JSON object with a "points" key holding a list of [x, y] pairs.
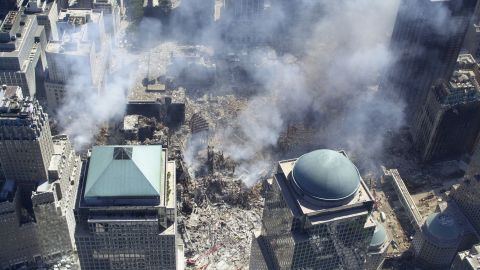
{"points": [[442, 227], [326, 175], [379, 236]]}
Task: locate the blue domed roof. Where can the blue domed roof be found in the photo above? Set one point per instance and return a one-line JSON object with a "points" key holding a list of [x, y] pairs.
{"points": [[379, 236], [326, 175], [442, 226]]}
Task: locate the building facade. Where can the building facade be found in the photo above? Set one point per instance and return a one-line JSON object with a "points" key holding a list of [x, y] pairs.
{"points": [[467, 260], [448, 123], [427, 38], [22, 52], [37, 197], [377, 250], [467, 197], [46, 12], [78, 60], [438, 242], [242, 21], [26, 145], [316, 215], [126, 210]]}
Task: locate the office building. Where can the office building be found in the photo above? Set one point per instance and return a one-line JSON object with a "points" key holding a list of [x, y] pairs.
{"points": [[111, 15], [467, 196], [37, 198], [316, 215], [46, 12], [242, 20], [448, 122], [437, 243], [427, 38], [78, 59], [441, 235], [126, 210], [22, 52], [9, 5], [468, 259], [26, 146], [377, 250]]}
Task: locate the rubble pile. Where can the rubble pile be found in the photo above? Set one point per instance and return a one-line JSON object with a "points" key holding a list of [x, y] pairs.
{"points": [[218, 231]]}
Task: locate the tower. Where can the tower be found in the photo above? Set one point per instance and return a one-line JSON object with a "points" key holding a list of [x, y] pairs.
{"points": [[41, 171], [316, 215], [448, 122], [26, 145], [126, 210], [426, 40]]}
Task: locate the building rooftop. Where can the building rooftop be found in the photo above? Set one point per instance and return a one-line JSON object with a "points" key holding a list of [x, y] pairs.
{"points": [[442, 226], [125, 171], [379, 236], [326, 175], [359, 203]]}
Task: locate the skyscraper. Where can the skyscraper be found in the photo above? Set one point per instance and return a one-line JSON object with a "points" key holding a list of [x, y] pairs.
{"points": [[22, 52], [78, 59], [316, 215], [26, 146], [36, 200], [126, 210], [426, 40], [448, 122], [242, 21]]}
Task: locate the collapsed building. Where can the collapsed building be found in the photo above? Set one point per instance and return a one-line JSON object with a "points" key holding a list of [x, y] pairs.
{"points": [[41, 172], [170, 109], [448, 123]]}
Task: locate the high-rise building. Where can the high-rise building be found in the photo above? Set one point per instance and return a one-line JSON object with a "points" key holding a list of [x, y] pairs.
{"points": [[377, 250], [37, 198], [22, 52], [111, 15], [441, 235], [26, 146], [468, 259], [448, 122], [316, 215], [46, 12], [8, 5], [467, 196], [126, 210], [242, 21], [427, 38], [79, 58]]}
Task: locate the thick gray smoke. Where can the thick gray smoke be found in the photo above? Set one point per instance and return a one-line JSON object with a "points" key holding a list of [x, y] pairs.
{"points": [[322, 71], [334, 78], [95, 95]]}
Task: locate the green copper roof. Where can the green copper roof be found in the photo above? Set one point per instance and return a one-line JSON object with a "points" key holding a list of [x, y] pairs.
{"points": [[326, 175], [379, 236], [442, 226], [124, 171]]}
